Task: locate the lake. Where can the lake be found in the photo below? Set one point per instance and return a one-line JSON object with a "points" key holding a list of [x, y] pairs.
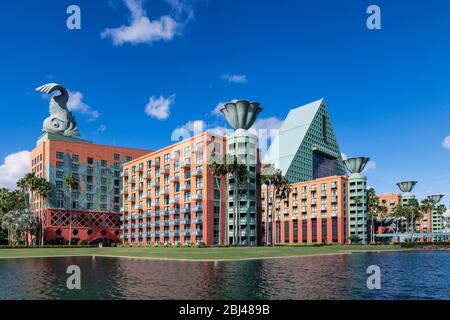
{"points": [[404, 275]]}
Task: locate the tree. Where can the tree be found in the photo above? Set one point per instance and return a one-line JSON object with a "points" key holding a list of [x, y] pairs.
{"points": [[270, 177], [71, 183], [217, 166], [372, 211], [240, 175], [357, 202], [44, 190], [354, 238], [19, 223], [282, 190]]}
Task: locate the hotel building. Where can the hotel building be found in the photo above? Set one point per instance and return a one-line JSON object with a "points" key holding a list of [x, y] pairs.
{"points": [[307, 153], [171, 197], [91, 210], [313, 212]]}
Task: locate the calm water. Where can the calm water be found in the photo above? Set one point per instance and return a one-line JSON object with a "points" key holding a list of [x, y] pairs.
{"points": [[405, 275]]}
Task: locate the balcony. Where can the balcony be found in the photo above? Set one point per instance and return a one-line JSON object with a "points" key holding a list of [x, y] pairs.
{"points": [[185, 210], [174, 179], [124, 191], [174, 200], [164, 171], [186, 163], [197, 220], [174, 211], [333, 185], [197, 172], [197, 208], [196, 196], [185, 187], [334, 199], [164, 192], [174, 222], [185, 221], [196, 232]]}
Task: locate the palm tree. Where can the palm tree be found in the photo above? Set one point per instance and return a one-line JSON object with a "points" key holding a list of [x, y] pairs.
{"points": [[242, 177], [218, 167], [282, 190], [426, 206], [440, 210], [270, 178], [357, 202], [372, 211], [240, 174], [71, 183], [44, 190], [27, 184]]}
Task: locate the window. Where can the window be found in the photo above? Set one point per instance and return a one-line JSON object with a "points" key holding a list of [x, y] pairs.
{"points": [[199, 183], [90, 160], [116, 157], [59, 155], [104, 163], [75, 158], [59, 165]]}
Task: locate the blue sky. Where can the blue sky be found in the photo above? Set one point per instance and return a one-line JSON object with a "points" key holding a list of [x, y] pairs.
{"points": [[387, 90]]}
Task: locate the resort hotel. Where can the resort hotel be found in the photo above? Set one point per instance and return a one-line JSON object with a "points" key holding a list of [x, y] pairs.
{"points": [[175, 195]]}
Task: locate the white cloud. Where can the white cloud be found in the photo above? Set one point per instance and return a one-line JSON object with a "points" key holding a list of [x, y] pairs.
{"points": [[143, 30], [235, 78], [14, 167], [371, 165], [77, 104], [101, 129], [193, 128], [266, 127], [446, 143], [159, 108]]}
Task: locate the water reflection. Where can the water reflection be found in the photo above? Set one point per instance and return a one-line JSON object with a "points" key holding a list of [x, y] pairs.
{"points": [[405, 275]]}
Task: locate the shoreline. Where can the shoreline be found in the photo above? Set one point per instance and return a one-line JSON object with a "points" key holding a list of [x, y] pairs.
{"points": [[308, 255]]}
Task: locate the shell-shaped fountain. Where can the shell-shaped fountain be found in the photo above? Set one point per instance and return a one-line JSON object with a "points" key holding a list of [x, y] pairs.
{"points": [[406, 186], [436, 198], [241, 114], [356, 165]]}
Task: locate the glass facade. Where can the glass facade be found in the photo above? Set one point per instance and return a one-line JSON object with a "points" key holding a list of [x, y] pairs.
{"points": [[323, 166]]}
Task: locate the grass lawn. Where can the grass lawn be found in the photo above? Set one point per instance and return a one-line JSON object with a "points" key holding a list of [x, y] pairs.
{"points": [[194, 253]]}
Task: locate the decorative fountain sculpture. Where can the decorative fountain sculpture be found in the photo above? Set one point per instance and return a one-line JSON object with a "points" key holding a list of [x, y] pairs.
{"points": [[406, 186], [356, 165], [436, 198], [357, 208], [241, 114], [61, 121]]}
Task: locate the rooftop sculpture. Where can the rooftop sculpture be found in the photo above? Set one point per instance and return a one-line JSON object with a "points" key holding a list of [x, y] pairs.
{"points": [[406, 186], [436, 198], [241, 114], [61, 121], [356, 165]]}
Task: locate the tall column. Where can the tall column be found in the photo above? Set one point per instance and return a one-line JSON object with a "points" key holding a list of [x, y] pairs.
{"points": [[406, 187], [357, 199], [241, 199], [242, 144]]}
